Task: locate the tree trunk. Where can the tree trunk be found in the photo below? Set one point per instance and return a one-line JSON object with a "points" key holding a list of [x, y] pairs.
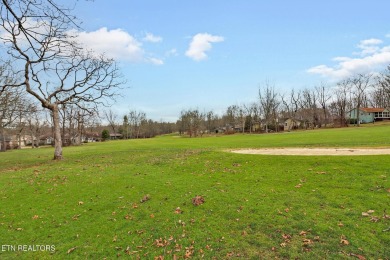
{"points": [[358, 115], [4, 143], [57, 134]]}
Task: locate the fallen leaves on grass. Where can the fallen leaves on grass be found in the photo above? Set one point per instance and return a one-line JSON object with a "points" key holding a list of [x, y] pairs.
{"points": [[198, 200], [302, 233], [161, 242], [178, 211], [76, 217], [298, 186], [128, 217], [368, 213], [344, 241], [360, 257], [189, 252], [286, 238], [374, 219], [35, 217], [307, 242], [145, 198]]}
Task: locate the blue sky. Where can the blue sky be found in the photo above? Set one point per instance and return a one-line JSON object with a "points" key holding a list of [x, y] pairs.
{"points": [[178, 54]]}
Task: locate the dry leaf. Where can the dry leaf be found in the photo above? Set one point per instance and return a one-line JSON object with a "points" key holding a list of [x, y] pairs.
{"points": [[340, 224], [374, 219], [303, 233], [344, 241], [145, 198], [307, 242], [71, 250], [360, 257], [189, 252], [178, 210], [35, 217]]}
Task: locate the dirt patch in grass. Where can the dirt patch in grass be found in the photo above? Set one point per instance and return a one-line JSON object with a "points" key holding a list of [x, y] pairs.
{"points": [[315, 151]]}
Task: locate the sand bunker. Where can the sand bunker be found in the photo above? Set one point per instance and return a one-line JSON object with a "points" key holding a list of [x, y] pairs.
{"points": [[315, 151]]}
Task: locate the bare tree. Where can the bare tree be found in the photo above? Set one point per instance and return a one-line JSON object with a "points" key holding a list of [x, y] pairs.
{"points": [[323, 97], [252, 112], [269, 104], [112, 119], [360, 83], [11, 105], [192, 121], [381, 93], [242, 114], [135, 119], [309, 105], [341, 102], [231, 117], [54, 69], [211, 119], [35, 124]]}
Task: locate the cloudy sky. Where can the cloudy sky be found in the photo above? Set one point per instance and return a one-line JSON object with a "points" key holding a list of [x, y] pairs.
{"points": [[202, 54]]}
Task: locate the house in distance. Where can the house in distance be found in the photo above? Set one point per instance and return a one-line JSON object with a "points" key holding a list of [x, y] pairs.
{"points": [[369, 114]]}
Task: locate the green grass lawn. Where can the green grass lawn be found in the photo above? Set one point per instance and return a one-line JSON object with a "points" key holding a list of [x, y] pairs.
{"points": [[134, 199]]}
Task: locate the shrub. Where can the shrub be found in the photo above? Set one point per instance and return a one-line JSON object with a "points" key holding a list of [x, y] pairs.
{"points": [[105, 135]]}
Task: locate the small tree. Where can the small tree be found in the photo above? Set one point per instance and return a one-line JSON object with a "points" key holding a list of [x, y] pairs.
{"points": [[105, 134]]}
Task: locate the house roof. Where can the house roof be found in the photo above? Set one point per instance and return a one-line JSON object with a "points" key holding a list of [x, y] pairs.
{"points": [[372, 109]]}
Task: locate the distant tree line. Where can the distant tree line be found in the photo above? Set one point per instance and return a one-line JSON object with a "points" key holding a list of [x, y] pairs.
{"points": [[324, 105]]}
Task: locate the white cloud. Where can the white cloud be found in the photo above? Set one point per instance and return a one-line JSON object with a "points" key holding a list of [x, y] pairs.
{"points": [[341, 59], [152, 38], [172, 52], [156, 61], [116, 44], [373, 58], [119, 44], [200, 44], [371, 42], [369, 46]]}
